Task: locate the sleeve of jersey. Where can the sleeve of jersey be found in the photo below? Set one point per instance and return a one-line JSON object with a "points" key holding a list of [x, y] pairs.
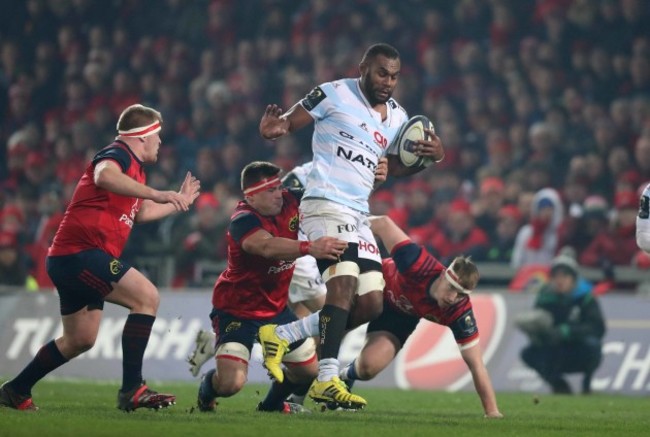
{"points": [[403, 118], [118, 155], [292, 181], [465, 330], [243, 225], [406, 255], [296, 193], [317, 102]]}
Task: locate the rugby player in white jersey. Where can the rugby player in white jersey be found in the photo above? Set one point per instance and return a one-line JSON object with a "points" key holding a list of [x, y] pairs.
{"points": [[355, 121]]}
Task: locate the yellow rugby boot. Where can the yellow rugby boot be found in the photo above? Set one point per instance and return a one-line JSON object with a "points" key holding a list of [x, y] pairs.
{"points": [[273, 349], [337, 392]]}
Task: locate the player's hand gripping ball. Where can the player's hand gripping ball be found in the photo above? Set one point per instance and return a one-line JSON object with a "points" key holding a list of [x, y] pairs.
{"points": [[407, 139]]}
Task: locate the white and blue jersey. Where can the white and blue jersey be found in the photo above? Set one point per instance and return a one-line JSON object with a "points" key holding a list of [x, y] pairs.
{"points": [[297, 177], [349, 138]]}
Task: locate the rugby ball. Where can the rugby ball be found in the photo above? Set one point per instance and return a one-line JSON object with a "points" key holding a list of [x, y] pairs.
{"points": [[406, 139]]}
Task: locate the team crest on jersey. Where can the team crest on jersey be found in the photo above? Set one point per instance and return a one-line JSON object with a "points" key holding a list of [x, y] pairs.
{"points": [[313, 98], [115, 266], [232, 326], [293, 223]]}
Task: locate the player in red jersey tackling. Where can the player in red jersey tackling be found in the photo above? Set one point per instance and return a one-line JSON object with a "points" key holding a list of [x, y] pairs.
{"points": [[253, 290], [418, 286], [83, 261]]}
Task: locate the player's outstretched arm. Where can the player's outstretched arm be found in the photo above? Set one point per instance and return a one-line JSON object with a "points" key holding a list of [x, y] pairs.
{"points": [[108, 176], [275, 123], [482, 383], [264, 244], [387, 231]]}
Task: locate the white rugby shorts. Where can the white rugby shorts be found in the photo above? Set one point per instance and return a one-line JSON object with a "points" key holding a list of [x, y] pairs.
{"points": [[321, 217]]}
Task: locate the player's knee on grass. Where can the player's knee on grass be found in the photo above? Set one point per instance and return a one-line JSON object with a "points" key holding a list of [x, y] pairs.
{"points": [[232, 363]]}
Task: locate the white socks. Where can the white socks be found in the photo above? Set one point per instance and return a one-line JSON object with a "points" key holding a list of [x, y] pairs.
{"points": [[328, 368], [299, 329]]}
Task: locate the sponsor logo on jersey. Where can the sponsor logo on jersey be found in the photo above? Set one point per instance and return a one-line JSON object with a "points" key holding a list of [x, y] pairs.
{"points": [[364, 126], [313, 98], [348, 227], [284, 265], [400, 302], [366, 246], [431, 359], [356, 158], [128, 220], [380, 140], [293, 223], [115, 266]]}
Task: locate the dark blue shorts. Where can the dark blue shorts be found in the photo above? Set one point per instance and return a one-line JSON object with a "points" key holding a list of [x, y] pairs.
{"points": [[233, 329], [397, 323], [84, 279]]}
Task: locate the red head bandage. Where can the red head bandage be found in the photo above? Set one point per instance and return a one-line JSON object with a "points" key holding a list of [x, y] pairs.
{"points": [[452, 277], [141, 132], [262, 185]]}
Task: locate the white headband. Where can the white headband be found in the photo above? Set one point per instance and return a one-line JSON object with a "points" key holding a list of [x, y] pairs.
{"points": [[452, 277], [141, 132]]}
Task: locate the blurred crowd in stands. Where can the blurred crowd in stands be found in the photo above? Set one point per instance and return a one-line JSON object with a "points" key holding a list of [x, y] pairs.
{"points": [[543, 107]]}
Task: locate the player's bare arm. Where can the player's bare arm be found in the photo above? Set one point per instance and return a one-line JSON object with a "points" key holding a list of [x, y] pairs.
{"points": [[431, 148], [264, 244], [275, 123], [482, 383], [108, 176], [387, 231], [154, 210]]}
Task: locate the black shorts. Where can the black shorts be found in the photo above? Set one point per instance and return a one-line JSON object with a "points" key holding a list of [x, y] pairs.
{"points": [[232, 329], [397, 323], [84, 279]]}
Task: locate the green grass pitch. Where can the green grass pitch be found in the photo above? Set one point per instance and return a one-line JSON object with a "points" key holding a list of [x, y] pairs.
{"points": [[88, 409]]}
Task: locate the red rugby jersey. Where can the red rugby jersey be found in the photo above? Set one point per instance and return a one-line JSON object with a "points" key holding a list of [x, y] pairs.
{"points": [[97, 218], [254, 287], [409, 275]]}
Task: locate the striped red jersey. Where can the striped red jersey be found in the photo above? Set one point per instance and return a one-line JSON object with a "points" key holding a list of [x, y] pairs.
{"points": [[409, 274], [97, 218], [252, 286]]}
